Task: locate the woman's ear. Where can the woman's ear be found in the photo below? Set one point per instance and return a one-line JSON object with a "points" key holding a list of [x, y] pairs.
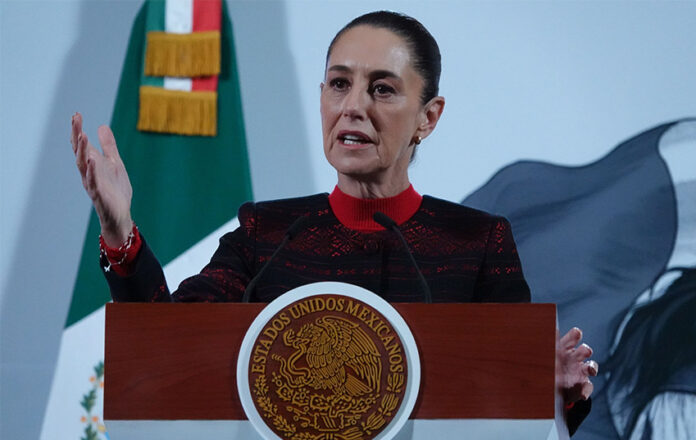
{"points": [[432, 111]]}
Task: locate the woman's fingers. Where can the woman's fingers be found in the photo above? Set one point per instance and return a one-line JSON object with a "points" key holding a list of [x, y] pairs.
{"points": [[94, 185], [88, 159], [82, 148], [108, 142], [92, 161], [586, 390], [90, 180], [582, 352], [76, 129], [571, 339], [81, 154], [590, 368]]}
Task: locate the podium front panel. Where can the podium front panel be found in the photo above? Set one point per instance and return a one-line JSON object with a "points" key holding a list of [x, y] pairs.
{"points": [[478, 361]]}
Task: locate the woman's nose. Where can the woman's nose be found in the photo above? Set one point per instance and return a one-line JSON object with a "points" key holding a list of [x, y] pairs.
{"points": [[356, 103]]}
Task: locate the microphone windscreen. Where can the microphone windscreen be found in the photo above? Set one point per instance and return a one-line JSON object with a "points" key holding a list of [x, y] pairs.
{"points": [[384, 220]]}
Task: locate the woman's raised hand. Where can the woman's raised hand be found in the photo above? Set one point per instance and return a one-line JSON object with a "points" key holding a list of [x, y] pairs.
{"points": [[573, 367], [106, 181]]}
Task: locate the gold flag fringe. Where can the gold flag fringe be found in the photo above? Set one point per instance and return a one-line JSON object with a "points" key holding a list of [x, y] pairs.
{"points": [[182, 55], [177, 111]]}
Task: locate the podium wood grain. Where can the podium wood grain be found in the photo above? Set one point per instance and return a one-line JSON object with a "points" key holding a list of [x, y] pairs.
{"points": [[178, 361]]}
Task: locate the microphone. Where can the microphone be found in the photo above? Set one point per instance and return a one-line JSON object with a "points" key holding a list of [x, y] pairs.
{"points": [[294, 228], [384, 220]]}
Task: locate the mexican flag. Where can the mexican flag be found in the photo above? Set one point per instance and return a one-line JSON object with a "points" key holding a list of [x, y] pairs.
{"points": [[180, 131]]}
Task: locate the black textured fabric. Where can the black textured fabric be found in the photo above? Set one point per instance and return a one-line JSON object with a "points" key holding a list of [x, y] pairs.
{"points": [[465, 255], [577, 414]]}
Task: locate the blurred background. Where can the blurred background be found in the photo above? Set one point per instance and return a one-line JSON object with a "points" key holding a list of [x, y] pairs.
{"points": [[560, 83]]}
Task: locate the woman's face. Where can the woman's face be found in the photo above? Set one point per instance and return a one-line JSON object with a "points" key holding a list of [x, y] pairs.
{"points": [[371, 109]]}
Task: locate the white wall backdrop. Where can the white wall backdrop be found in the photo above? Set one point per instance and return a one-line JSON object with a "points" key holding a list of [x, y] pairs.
{"points": [[556, 81]]}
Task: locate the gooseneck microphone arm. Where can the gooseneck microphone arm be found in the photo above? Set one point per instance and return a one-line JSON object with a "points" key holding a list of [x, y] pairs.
{"points": [[384, 220], [294, 228]]}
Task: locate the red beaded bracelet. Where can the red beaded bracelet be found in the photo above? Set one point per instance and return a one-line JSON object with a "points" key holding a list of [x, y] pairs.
{"points": [[116, 257]]}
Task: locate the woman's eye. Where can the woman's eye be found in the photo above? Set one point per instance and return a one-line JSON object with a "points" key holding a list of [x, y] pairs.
{"points": [[383, 90], [338, 84]]}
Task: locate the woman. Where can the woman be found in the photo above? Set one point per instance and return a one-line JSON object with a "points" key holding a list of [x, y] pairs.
{"points": [[379, 100]]}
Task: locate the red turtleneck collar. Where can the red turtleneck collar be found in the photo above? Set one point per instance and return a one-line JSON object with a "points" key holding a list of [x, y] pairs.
{"points": [[357, 213]]}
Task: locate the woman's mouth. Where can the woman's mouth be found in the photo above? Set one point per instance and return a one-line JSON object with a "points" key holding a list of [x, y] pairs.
{"points": [[354, 139]]}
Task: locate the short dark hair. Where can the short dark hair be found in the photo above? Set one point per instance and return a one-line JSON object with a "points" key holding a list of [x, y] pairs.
{"points": [[424, 49]]}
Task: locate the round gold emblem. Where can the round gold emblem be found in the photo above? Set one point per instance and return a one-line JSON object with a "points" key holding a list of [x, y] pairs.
{"points": [[327, 367]]}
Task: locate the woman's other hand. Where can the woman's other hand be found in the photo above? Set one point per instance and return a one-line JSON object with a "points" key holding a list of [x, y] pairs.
{"points": [[573, 367], [106, 181]]}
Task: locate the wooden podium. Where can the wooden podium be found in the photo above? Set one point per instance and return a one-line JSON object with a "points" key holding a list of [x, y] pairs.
{"points": [[487, 371]]}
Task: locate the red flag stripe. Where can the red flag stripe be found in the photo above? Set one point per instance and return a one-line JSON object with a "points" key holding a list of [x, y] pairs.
{"points": [[201, 83], [207, 16]]}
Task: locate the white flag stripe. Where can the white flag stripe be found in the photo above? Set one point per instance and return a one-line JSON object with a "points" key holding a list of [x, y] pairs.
{"points": [[82, 347], [171, 83], [178, 16]]}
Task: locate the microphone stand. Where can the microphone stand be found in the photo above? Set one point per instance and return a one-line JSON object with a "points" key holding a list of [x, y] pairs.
{"points": [[384, 220]]}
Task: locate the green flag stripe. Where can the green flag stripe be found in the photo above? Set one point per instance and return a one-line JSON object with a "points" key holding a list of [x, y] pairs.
{"points": [[183, 187], [154, 21], [154, 81]]}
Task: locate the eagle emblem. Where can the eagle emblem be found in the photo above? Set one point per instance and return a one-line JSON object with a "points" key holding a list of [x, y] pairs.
{"points": [[339, 357], [328, 369]]}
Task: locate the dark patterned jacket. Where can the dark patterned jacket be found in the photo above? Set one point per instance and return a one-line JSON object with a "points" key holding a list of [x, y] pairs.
{"points": [[465, 255]]}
